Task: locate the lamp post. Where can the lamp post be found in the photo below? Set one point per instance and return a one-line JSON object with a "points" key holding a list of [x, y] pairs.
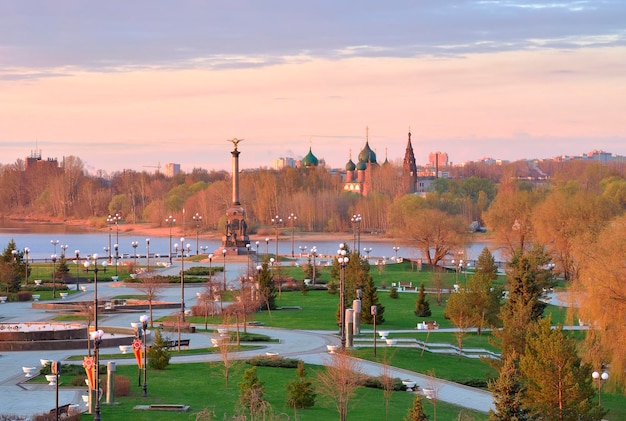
{"points": [[396, 249], [76, 262], [110, 222], [256, 252], [26, 253], [356, 223], [204, 249], [182, 273], [63, 247], [148, 255], [54, 244], [600, 378], [343, 261], [367, 251], [134, 245], [170, 220], [144, 328], [96, 336], [374, 313], [314, 254], [117, 256], [302, 249], [95, 271], [248, 260], [267, 246], [224, 254], [277, 221], [292, 219], [461, 270], [198, 220], [210, 267], [54, 275]]}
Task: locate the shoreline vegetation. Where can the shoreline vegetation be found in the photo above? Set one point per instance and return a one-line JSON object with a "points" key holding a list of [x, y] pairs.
{"points": [[151, 230]]}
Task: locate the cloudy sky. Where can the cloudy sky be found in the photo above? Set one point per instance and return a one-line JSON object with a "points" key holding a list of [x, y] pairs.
{"points": [[128, 84]]}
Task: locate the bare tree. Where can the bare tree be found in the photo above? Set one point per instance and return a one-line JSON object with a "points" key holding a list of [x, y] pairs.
{"points": [[150, 287], [222, 340], [339, 381]]}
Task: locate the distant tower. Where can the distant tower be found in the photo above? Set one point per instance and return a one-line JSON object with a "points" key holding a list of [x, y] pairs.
{"points": [[235, 237], [409, 169]]}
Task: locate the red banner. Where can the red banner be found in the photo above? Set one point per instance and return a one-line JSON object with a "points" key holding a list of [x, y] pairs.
{"points": [[137, 351], [90, 369]]}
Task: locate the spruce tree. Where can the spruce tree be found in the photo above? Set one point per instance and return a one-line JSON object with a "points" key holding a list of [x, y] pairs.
{"points": [[508, 393], [422, 306], [369, 299], [267, 288], [300, 392], [251, 391], [416, 412]]}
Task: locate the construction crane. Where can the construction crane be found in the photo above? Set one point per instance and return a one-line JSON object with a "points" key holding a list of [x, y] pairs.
{"points": [[158, 167]]}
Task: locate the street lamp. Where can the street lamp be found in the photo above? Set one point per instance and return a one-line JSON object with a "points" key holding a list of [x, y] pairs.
{"points": [[210, 267], [343, 261], [148, 255], [204, 249], [144, 326], [267, 245], [224, 254], [182, 273], [117, 256], [356, 230], [292, 219], [54, 244], [170, 220], [277, 221], [76, 261], [461, 270], [396, 249], [64, 247], [314, 255], [134, 245], [256, 252], [26, 253], [600, 378], [367, 251], [95, 270], [54, 275], [96, 336], [198, 220], [302, 249]]}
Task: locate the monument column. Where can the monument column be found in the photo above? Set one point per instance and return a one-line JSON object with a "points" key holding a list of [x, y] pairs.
{"points": [[235, 237]]}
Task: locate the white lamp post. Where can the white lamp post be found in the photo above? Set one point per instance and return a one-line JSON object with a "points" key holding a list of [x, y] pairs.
{"points": [[600, 378], [144, 327], [343, 261]]}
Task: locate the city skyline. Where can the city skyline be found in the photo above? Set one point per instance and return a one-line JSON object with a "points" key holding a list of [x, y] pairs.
{"points": [[132, 85]]}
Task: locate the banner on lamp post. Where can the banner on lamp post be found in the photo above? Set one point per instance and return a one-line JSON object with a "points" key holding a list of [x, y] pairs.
{"points": [[137, 351], [90, 370]]}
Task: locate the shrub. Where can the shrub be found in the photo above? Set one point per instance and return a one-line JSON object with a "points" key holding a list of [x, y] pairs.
{"points": [[275, 361], [300, 392], [377, 383], [24, 296], [393, 292]]}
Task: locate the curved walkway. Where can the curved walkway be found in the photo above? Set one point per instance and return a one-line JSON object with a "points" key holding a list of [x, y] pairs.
{"points": [[19, 398]]}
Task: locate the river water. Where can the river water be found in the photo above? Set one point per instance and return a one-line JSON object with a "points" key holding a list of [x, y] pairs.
{"points": [[37, 237]]}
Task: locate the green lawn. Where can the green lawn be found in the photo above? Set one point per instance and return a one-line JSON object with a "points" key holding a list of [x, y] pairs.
{"points": [[202, 385]]}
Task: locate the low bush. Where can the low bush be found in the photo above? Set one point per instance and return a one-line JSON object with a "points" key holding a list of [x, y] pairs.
{"points": [[377, 383], [273, 361], [24, 296]]}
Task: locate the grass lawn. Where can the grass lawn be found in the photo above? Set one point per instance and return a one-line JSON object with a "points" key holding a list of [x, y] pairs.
{"points": [[202, 385]]}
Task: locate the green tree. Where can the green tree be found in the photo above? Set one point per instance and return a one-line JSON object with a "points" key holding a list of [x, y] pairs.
{"points": [[267, 287], [158, 353], [416, 411], [508, 393], [12, 268], [370, 298], [528, 278], [558, 385], [251, 391], [300, 392], [422, 306]]}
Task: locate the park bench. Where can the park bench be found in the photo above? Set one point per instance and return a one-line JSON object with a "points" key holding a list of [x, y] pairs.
{"points": [[63, 411], [174, 343], [405, 286]]}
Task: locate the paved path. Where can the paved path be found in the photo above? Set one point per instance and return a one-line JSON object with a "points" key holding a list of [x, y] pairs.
{"points": [[20, 398]]}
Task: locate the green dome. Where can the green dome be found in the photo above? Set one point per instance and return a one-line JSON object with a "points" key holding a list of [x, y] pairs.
{"points": [[361, 166], [350, 166], [310, 160], [367, 155]]}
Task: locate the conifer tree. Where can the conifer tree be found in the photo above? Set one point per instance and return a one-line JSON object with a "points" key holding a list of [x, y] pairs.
{"points": [[251, 391], [369, 299], [300, 392], [422, 306], [508, 393], [267, 288], [416, 412]]}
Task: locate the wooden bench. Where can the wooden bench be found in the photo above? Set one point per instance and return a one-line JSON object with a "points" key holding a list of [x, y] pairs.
{"points": [[63, 410], [405, 286], [174, 343]]}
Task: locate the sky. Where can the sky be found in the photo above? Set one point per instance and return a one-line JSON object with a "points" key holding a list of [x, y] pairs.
{"points": [[137, 84]]}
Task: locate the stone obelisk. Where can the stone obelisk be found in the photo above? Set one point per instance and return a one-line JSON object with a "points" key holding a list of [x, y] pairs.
{"points": [[235, 238]]}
